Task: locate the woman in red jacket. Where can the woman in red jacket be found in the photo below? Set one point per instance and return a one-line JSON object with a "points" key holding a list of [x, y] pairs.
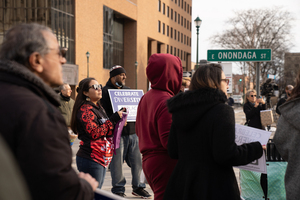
{"points": [[94, 129], [153, 120]]}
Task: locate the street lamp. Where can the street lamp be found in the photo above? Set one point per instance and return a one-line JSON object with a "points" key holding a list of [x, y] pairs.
{"points": [[136, 65], [198, 22], [87, 57]]}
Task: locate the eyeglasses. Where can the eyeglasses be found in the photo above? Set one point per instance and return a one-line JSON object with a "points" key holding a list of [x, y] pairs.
{"points": [[226, 80], [96, 87], [252, 95], [62, 51]]}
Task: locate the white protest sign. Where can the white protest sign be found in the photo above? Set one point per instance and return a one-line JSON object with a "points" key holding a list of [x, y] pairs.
{"points": [[126, 98], [246, 134]]}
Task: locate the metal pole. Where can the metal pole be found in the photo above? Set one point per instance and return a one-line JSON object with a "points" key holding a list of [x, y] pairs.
{"points": [[257, 79], [87, 67], [197, 60], [136, 64], [244, 83]]}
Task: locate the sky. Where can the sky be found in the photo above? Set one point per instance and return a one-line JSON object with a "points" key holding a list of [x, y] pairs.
{"points": [[214, 13]]}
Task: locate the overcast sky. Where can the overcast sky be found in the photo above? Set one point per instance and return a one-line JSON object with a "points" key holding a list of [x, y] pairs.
{"points": [[214, 13]]}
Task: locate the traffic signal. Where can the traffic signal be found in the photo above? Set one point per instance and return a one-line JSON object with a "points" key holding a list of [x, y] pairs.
{"points": [[240, 80]]}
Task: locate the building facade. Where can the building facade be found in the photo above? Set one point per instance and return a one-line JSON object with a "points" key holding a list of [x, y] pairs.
{"points": [[123, 32]]}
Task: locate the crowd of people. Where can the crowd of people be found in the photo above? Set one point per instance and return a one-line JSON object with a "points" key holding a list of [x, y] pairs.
{"points": [[183, 139]]}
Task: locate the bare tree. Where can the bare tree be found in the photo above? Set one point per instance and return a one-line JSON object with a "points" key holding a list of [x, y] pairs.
{"points": [[259, 29]]}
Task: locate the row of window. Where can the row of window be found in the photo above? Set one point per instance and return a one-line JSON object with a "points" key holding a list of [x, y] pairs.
{"points": [[175, 16], [180, 37], [176, 52], [183, 5]]}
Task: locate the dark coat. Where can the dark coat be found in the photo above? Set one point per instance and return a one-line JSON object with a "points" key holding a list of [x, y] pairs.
{"points": [[253, 114], [286, 139], [37, 134], [202, 138], [280, 102]]}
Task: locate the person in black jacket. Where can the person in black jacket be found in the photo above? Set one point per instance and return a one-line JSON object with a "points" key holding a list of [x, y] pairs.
{"points": [[94, 129], [252, 109], [129, 145], [202, 138], [31, 124], [288, 91]]}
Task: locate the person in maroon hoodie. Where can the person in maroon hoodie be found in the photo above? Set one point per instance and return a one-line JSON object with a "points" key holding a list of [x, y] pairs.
{"points": [[153, 120]]}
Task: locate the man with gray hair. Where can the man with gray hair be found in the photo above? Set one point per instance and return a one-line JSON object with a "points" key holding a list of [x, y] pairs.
{"points": [[32, 126], [66, 108]]}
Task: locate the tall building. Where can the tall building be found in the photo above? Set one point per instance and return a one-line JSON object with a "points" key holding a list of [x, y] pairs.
{"points": [[123, 32]]}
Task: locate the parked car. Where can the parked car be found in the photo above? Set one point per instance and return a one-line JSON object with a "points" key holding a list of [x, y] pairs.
{"points": [[238, 99]]}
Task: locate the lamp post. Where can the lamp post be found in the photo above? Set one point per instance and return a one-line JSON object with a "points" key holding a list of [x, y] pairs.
{"points": [[136, 65], [87, 57], [198, 22]]}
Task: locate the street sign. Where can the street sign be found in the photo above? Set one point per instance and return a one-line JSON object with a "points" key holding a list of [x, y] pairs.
{"points": [[271, 76], [231, 55]]}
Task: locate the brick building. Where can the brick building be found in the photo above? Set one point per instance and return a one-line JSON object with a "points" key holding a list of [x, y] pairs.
{"points": [[124, 32]]}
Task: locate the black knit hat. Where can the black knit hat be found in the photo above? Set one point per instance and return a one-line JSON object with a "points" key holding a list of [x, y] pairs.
{"points": [[116, 70]]}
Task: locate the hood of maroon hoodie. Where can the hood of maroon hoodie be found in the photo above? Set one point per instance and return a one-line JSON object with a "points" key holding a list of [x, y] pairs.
{"points": [[164, 71]]}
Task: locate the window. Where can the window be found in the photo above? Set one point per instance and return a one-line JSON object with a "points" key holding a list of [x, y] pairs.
{"points": [[163, 28], [176, 1], [188, 8], [171, 13], [184, 39], [178, 52], [187, 40], [164, 5], [167, 30], [181, 55], [171, 32], [190, 42], [168, 11], [184, 23], [175, 16], [167, 48], [175, 34], [184, 6], [188, 24], [179, 3], [181, 37], [159, 6], [158, 26], [181, 20], [184, 55], [174, 51], [171, 50], [178, 18], [191, 10], [178, 36]]}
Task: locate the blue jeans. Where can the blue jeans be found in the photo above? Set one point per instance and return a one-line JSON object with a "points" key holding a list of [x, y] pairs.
{"points": [[96, 170], [129, 151]]}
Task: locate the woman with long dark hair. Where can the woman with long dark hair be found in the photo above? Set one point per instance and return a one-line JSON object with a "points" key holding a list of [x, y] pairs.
{"points": [[202, 138], [287, 138], [94, 129]]}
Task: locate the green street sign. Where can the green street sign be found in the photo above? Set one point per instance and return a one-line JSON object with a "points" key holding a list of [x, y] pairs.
{"points": [[231, 55]]}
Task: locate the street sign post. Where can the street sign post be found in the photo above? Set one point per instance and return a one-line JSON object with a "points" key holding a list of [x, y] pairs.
{"points": [[236, 55]]}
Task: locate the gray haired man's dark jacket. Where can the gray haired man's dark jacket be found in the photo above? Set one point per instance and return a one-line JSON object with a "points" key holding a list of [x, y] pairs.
{"points": [[37, 135]]}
